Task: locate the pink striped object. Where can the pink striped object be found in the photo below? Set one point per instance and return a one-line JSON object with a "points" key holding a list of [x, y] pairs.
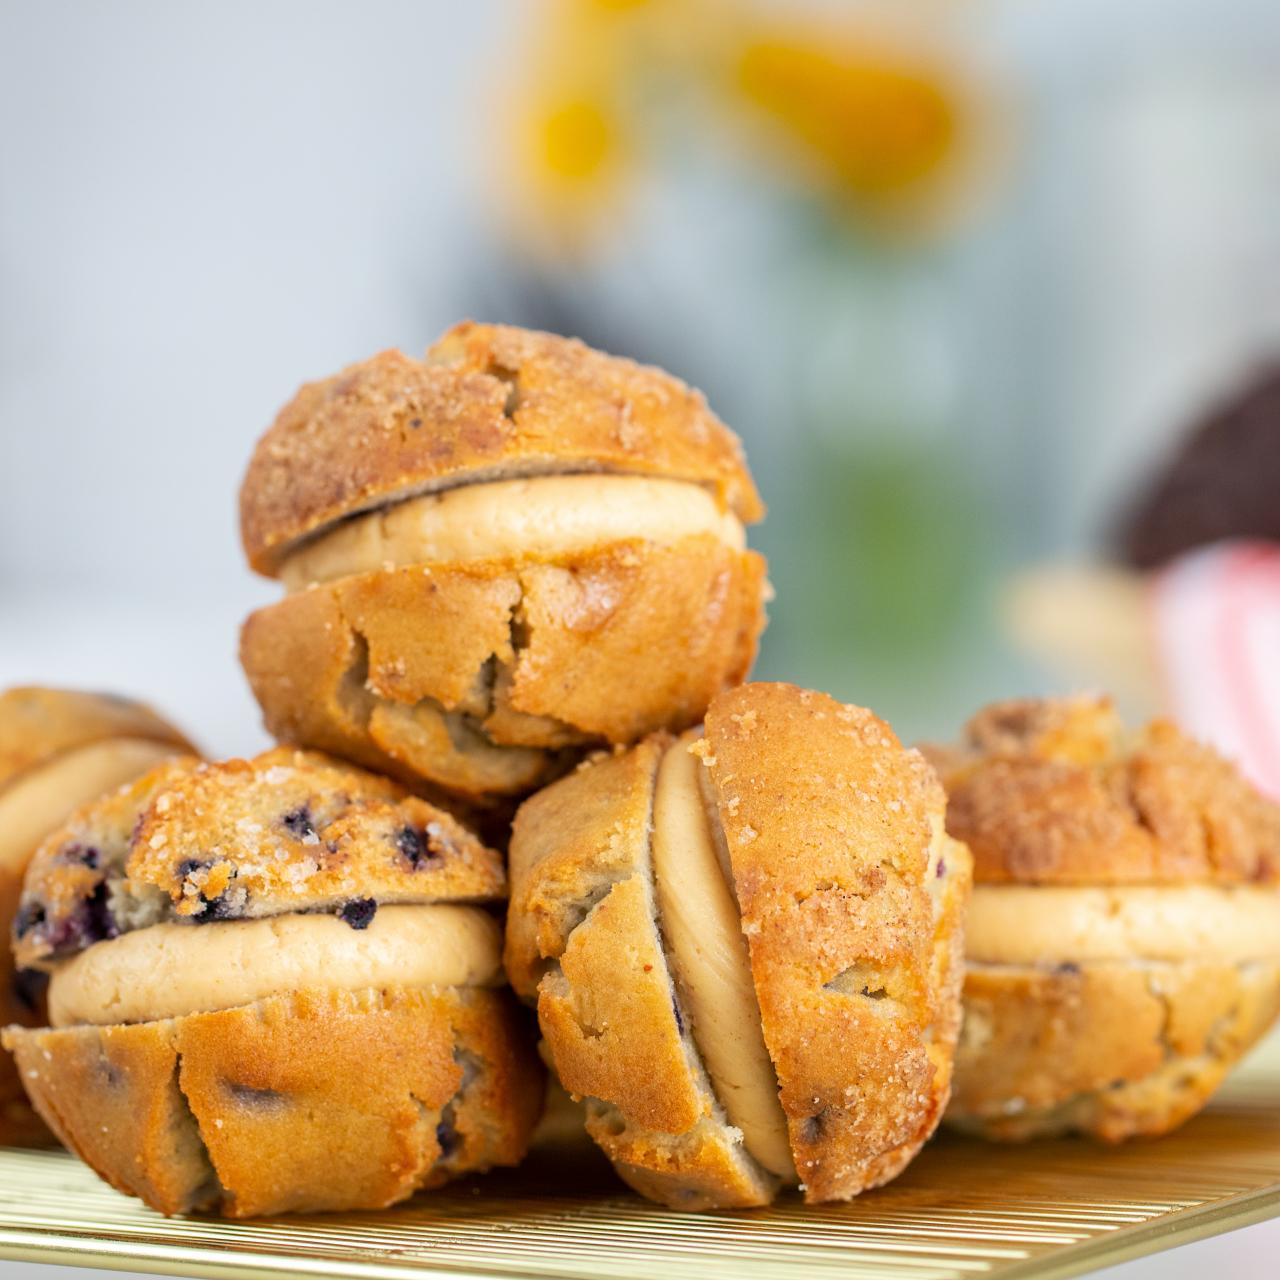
{"points": [[1216, 624]]}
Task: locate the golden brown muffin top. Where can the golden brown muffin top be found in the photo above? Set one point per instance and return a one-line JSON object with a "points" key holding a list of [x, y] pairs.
{"points": [[1055, 791], [286, 831], [488, 402], [37, 724]]}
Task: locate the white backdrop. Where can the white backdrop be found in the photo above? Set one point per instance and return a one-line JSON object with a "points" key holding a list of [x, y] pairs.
{"points": [[200, 206]]}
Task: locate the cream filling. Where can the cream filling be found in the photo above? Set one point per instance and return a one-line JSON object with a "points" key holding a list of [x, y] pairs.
{"points": [[543, 516], [42, 799], [1026, 925], [703, 931], [168, 970]]}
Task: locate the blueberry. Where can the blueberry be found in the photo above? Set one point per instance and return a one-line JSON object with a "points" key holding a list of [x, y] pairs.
{"points": [[29, 915], [447, 1137], [359, 912], [218, 908], [85, 855], [99, 923], [297, 822], [411, 843], [91, 921]]}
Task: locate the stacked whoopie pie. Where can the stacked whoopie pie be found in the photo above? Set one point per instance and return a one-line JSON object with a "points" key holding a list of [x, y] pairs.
{"points": [[59, 748], [516, 573], [497, 557]]}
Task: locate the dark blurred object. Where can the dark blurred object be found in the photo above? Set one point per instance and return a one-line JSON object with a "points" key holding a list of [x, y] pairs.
{"points": [[1224, 482]]}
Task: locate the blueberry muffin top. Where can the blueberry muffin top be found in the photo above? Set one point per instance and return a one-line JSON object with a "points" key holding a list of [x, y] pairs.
{"points": [[287, 831], [488, 402], [37, 724], [1056, 791]]}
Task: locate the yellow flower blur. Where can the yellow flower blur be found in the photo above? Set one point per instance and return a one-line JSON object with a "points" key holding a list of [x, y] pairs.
{"points": [[877, 126], [878, 129]]}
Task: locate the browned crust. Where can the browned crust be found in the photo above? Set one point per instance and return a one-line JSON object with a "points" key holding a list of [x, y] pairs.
{"points": [[583, 940], [855, 951], [1053, 792], [488, 402], [305, 1102], [19, 1124], [1114, 1050], [37, 724], [476, 678], [216, 841]]}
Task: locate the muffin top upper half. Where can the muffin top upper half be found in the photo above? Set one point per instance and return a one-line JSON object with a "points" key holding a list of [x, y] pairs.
{"points": [[1055, 791], [487, 402], [37, 724], [287, 831]]}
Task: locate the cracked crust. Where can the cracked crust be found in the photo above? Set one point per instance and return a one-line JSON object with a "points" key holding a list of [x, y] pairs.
{"points": [[286, 831], [37, 724], [834, 836], [305, 1102], [488, 402], [1114, 1050], [488, 678], [1054, 792], [583, 941]]}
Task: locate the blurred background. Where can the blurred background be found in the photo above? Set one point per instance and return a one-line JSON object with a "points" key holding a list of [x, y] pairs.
{"points": [[959, 273]]}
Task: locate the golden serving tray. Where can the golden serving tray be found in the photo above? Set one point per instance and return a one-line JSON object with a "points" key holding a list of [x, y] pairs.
{"points": [[963, 1209]]}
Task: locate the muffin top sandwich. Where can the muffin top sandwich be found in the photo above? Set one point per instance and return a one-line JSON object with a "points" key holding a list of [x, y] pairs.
{"points": [[745, 950], [1123, 944], [274, 987], [497, 556], [59, 748]]}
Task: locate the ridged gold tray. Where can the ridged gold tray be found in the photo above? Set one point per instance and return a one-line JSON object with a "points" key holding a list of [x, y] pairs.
{"points": [[963, 1209]]}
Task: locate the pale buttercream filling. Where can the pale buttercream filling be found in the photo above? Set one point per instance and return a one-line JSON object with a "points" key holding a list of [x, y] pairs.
{"points": [[42, 799], [1045, 924], [702, 929], [170, 970], [535, 517]]}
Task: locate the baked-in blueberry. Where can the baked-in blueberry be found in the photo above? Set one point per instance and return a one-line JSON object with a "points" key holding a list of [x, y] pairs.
{"points": [[359, 912], [85, 855], [412, 845], [29, 915], [220, 907], [298, 823], [447, 1137], [99, 923]]}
